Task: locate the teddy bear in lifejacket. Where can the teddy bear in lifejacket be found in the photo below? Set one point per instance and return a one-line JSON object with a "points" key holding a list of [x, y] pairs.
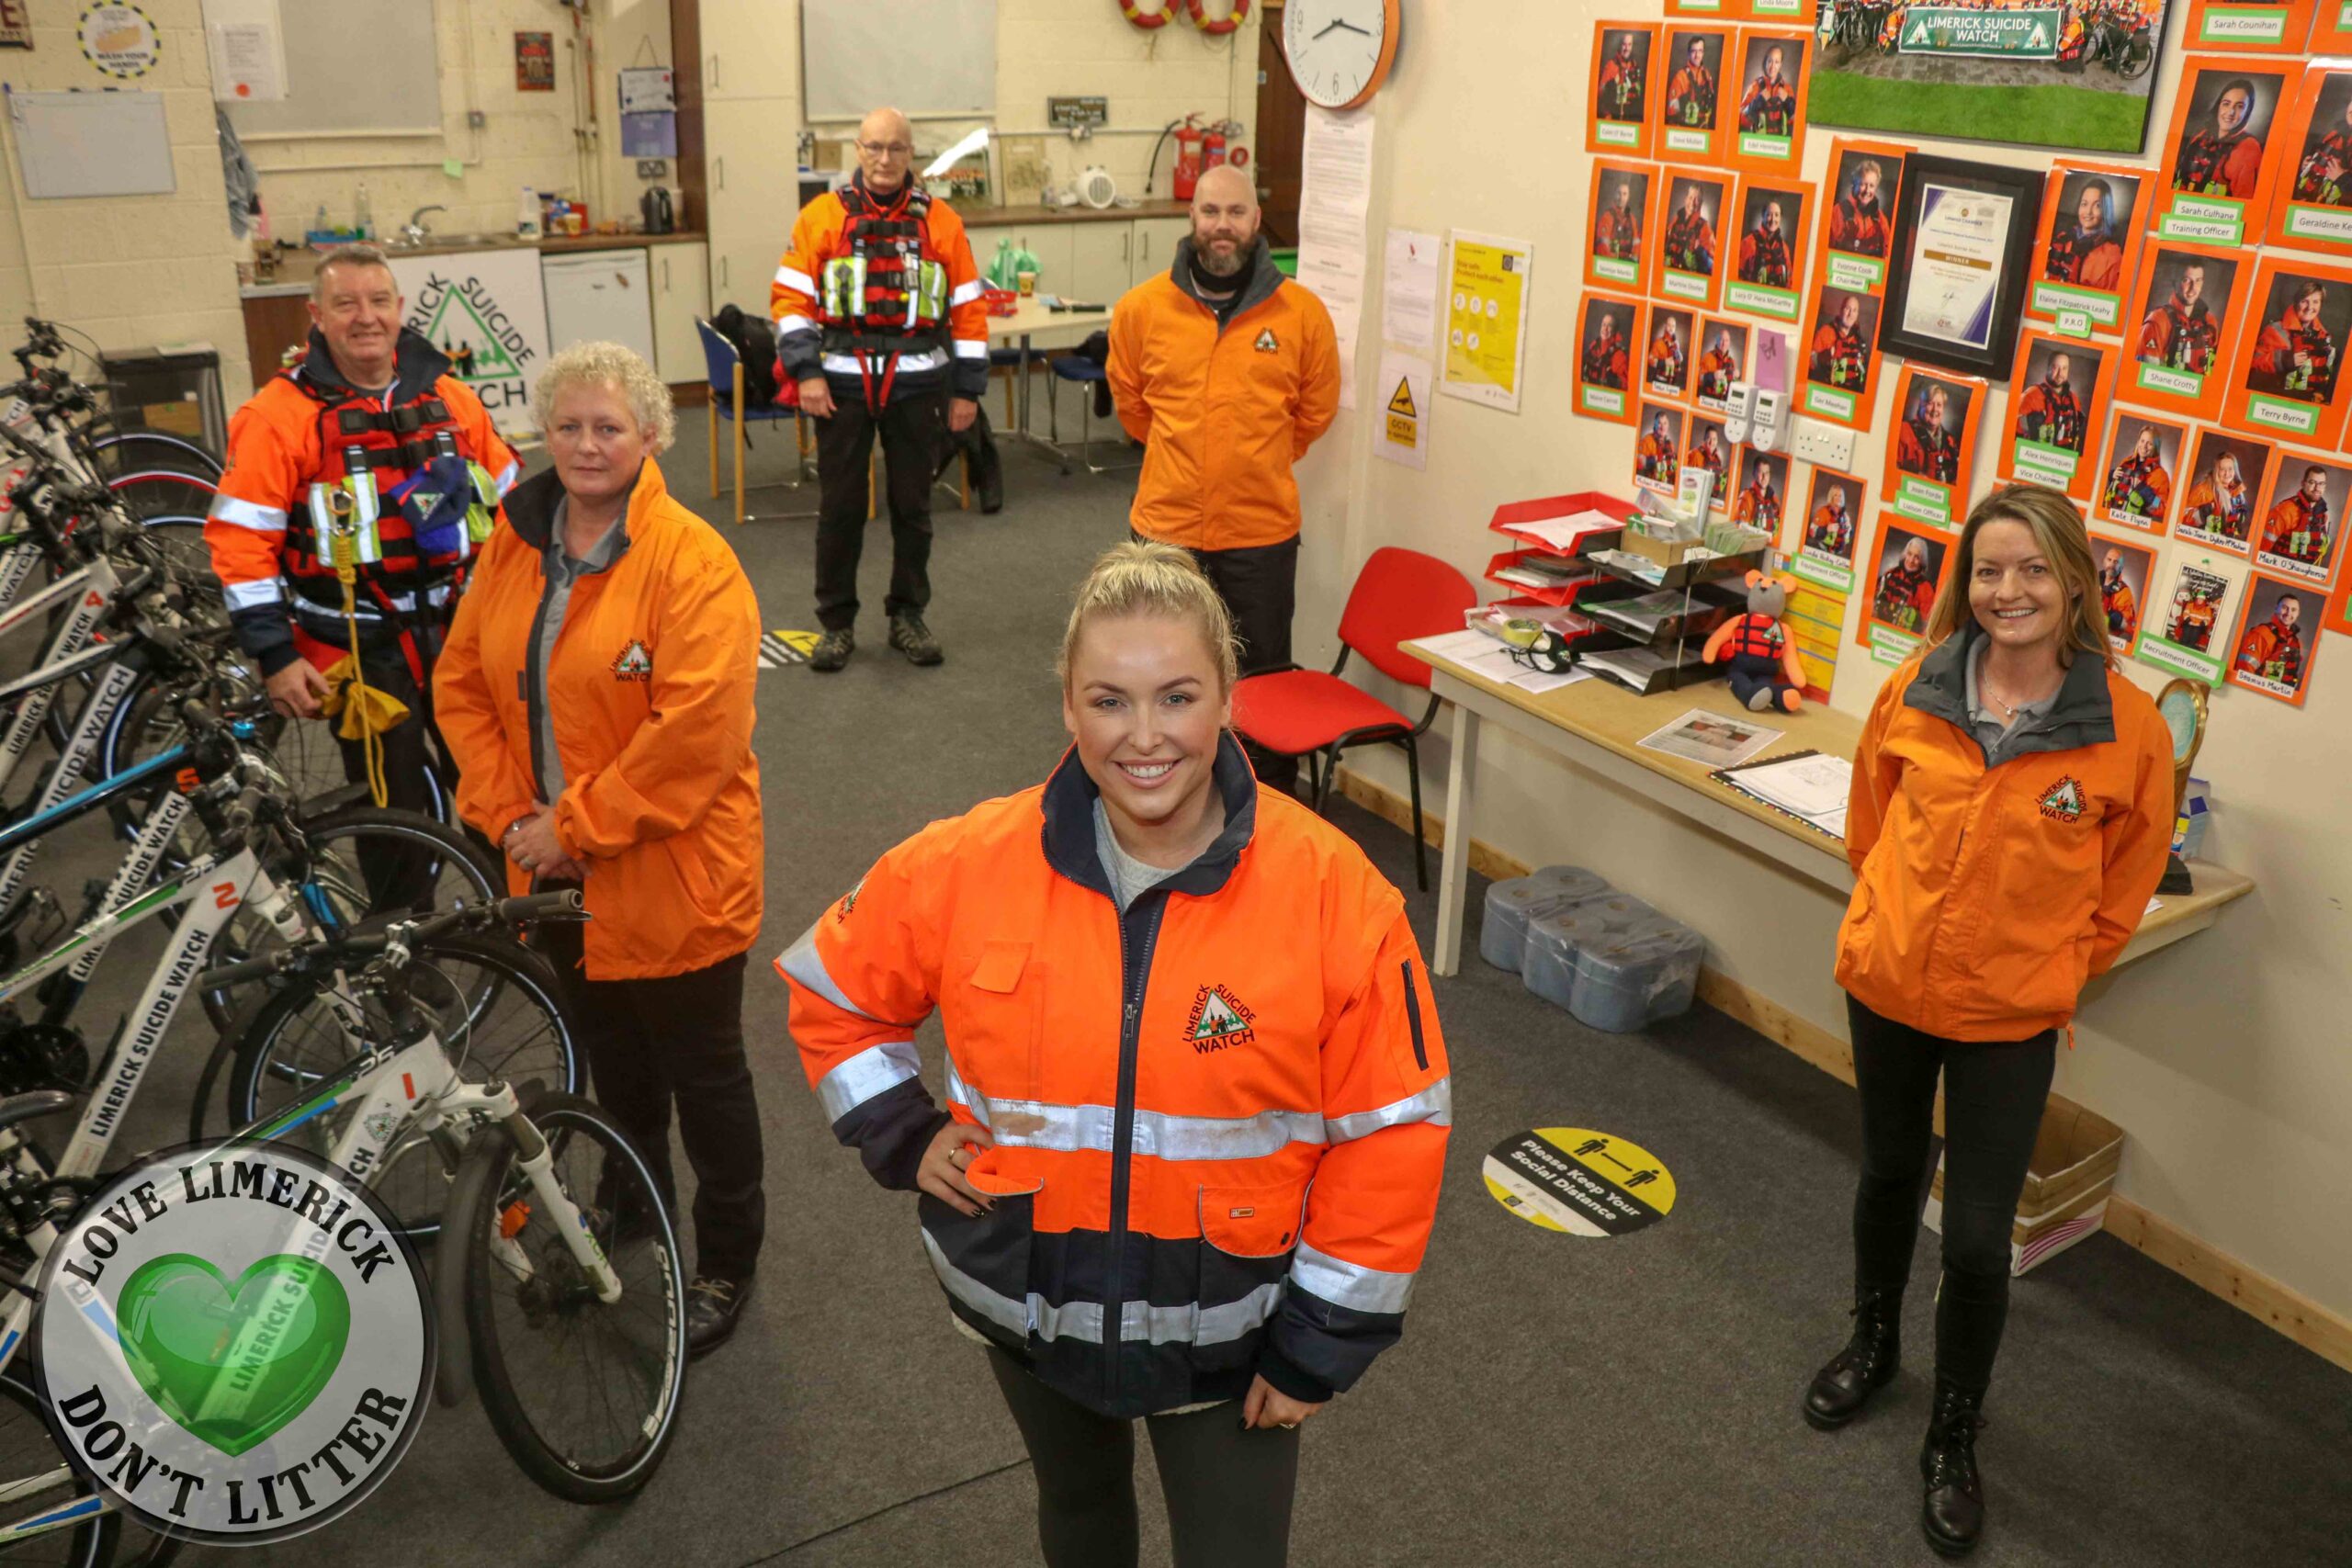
{"points": [[1765, 669]]}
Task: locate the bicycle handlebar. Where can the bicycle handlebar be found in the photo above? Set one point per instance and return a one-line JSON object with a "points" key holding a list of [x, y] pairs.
{"points": [[563, 904]]}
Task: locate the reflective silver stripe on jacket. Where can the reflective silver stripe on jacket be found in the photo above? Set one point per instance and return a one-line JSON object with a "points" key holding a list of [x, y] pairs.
{"points": [[792, 324], [967, 292], [1349, 1284], [248, 514], [802, 963], [1140, 1322], [971, 348], [875, 1070], [909, 364], [1433, 1105], [1067, 1129], [244, 595], [793, 277]]}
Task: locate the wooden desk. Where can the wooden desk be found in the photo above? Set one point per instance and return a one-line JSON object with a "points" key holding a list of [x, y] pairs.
{"points": [[1029, 323], [1597, 726]]}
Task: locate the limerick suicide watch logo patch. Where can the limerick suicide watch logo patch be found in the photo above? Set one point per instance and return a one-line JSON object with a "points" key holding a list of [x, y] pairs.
{"points": [[635, 663], [2062, 802], [1267, 342], [1218, 1021]]}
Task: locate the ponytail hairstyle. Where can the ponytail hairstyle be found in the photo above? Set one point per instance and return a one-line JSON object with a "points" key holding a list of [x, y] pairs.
{"points": [[1146, 577], [2064, 543]]}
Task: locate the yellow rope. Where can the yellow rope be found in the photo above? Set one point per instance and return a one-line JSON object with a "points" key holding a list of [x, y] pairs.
{"points": [[366, 714]]}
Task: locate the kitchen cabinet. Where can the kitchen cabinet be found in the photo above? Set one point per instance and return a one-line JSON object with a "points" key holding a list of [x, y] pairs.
{"points": [[751, 48], [1101, 255], [599, 297], [1049, 242], [754, 196], [1155, 244], [680, 285], [1090, 259]]}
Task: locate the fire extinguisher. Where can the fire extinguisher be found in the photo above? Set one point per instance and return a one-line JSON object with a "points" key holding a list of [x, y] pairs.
{"points": [[1187, 173], [1213, 144]]}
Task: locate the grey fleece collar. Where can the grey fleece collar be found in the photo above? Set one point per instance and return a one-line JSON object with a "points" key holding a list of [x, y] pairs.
{"points": [[2082, 713], [1264, 278]]}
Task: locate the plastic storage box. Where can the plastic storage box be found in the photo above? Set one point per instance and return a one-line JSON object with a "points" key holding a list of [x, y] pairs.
{"points": [[1613, 962], [1511, 904]]}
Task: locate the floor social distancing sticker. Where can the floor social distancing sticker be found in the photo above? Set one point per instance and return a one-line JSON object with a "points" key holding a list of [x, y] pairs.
{"points": [[1580, 1181]]}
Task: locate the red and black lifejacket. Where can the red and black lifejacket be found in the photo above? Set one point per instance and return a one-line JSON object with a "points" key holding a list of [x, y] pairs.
{"points": [[885, 293], [1756, 637]]}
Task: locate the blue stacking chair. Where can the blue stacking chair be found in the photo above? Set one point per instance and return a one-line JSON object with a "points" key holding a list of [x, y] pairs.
{"points": [[727, 403]]}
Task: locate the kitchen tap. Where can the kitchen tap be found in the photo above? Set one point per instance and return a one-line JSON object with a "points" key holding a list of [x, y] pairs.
{"points": [[413, 231]]}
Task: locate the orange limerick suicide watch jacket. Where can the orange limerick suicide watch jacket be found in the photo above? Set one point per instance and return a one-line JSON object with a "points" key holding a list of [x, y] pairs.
{"points": [[650, 690], [1220, 1119], [1222, 413], [1987, 897]]}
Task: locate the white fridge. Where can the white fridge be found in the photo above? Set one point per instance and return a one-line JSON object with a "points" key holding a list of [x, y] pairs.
{"points": [[599, 295]]}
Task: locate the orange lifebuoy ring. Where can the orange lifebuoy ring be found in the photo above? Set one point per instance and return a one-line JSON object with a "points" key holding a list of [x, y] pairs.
{"points": [[1145, 19], [1231, 23]]}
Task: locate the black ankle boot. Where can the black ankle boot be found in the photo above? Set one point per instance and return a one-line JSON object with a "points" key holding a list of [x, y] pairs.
{"points": [[1953, 1512], [1867, 1364]]}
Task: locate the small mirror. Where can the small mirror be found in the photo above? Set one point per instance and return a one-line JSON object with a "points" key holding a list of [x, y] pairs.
{"points": [[2183, 706]]}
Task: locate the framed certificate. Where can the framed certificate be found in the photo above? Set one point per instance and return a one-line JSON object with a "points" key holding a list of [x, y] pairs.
{"points": [[1963, 242]]}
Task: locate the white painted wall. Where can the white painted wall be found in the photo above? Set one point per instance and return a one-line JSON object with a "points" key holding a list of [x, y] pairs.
{"points": [[2226, 1058]]}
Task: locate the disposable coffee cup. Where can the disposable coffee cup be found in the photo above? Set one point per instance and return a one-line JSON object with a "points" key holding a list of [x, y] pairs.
{"points": [[1025, 281]]}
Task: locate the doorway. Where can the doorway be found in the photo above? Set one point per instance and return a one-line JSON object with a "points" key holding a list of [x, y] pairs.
{"points": [[1282, 132]]}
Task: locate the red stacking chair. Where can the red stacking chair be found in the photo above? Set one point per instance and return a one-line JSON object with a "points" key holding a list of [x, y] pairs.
{"points": [[1399, 596]]}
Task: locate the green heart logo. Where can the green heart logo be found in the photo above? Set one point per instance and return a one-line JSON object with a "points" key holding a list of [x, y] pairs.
{"points": [[232, 1365]]}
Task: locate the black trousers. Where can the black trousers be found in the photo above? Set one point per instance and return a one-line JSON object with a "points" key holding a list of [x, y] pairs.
{"points": [[417, 776], [678, 1038], [1260, 587], [1228, 1491], [1993, 1097], [913, 429]]}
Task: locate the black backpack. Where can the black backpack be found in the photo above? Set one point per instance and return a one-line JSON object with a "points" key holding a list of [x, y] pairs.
{"points": [[755, 339]]}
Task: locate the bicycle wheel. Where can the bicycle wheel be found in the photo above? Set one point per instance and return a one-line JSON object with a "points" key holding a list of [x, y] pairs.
{"points": [[146, 451], [493, 1003], [584, 1395], [30, 1460], [147, 723]]}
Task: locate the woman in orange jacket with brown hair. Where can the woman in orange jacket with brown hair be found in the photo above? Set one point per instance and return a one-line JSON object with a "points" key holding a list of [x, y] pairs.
{"points": [[2011, 811], [1196, 1103], [596, 690]]}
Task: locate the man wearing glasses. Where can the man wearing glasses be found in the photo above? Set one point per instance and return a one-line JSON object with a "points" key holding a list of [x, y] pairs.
{"points": [[879, 319]]}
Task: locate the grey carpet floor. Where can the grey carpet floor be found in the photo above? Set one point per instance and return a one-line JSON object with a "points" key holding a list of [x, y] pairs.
{"points": [[1554, 1400]]}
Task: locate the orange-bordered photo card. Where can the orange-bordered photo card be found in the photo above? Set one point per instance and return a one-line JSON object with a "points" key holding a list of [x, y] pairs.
{"points": [[1687, 261], [2312, 207], [1905, 572], [2182, 326], [2126, 568], [1691, 118], [1767, 271], [1823, 552], [1932, 457], [1771, 87], [1709, 10], [2139, 478], [2339, 606], [1666, 357], [1858, 222], [1840, 357], [2277, 637], [2233, 27], [1705, 446], [2287, 378], [2057, 397], [2227, 474], [2214, 185], [1617, 115], [2331, 28], [1760, 496], [2301, 533], [1657, 447], [2092, 216], [1609, 336], [1723, 359], [1617, 236]]}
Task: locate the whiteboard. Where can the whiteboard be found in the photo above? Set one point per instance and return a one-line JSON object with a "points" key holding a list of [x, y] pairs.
{"points": [[353, 65], [104, 143], [926, 57]]}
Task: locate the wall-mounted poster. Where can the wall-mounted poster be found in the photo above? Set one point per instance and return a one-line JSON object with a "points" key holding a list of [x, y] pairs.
{"points": [[2264, 27], [2185, 313], [1486, 319], [1767, 260], [1616, 251], [2125, 570], [2142, 456], [1723, 359], [2303, 519], [1607, 328], [2313, 203], [1762, 497], [1690, 116], [534, 62], [2031, 76], [1705, 447], [1657, 450], [2057, 396], [2092, 218], [1825, 548], [1665, 364], [1859, 227], [2276, 642], [1933, 454], [1839, 358], [2219, 159], [2288, 376], [1617, 117], [1688, 257], [1768, 136], [1907, 568], [2186, 623], [2225, 475]]}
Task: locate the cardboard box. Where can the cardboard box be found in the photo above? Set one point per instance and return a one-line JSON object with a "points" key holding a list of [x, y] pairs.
{"points": [[1665, 551], [2075, 1156]]}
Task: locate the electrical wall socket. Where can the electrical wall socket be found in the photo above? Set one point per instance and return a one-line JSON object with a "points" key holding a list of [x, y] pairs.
{"points": [[1823, 446]]}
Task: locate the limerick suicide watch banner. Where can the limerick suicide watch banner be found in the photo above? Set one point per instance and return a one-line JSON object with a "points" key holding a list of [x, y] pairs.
{"points": [[1768, 129], [2092, 218], [1768, 259], [2137, 487], [2312, 207], [2185, 316], [491, 304], [1825, 552], [2220, 159], [1617, 115], [1933, 454], [2287, 378], [1691, 115], [2190, 615], [2057, 397], [1618, 235], [1486, 318], [1609, 332]]}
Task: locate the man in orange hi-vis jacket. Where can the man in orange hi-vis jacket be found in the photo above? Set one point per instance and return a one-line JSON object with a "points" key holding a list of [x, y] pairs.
{"points": [[879, 322]]}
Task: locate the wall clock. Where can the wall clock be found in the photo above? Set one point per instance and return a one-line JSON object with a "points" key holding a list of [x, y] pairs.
{"points": [[1340, 50]]}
